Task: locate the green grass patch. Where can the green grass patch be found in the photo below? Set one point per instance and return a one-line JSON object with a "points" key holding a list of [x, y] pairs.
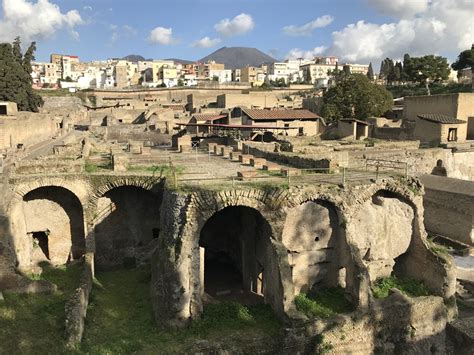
{"points": [[34, 324], [54, 92], [409, 287], [323, 304], [160, 170], [94, 168], [120, 319]]}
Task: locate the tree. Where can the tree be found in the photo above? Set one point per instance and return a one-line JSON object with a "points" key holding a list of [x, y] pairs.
{"points": [[15, 76], [355, 96], [465, 60], [370, 72], [426, 69], [180, 82]]}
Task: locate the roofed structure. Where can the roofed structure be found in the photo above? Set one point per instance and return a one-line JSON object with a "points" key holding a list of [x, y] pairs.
{"points": [[438, 118], [280, 114]]}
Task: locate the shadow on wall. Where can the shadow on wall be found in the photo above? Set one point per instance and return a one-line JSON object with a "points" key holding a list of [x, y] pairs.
{"points": [[48, 225], [318, 254], [126, 227]]}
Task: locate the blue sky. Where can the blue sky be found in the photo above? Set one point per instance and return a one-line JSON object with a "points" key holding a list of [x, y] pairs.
{"points": [[356, 30]]}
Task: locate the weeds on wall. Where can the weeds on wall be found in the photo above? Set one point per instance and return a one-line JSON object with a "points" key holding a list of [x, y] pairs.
{"points": [[381, 288], [323, 304]]}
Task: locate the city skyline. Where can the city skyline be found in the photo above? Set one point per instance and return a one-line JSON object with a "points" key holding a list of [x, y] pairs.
{"points": [[371, 31]]}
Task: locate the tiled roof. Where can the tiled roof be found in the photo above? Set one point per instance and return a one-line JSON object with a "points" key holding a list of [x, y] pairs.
{"points": [[280, 114], [437, 118], [208, 116]]}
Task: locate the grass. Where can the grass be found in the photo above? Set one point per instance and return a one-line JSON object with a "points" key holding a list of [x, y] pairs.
{"points": [[34, 324], [163, 170], [53, 92], [94, 168], [120, 320], [409, 287], [410, 90], [324, 304]]}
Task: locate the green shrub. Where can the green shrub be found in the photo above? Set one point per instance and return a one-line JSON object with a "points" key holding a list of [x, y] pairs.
{"points": [[409, 287], [324, 304]]}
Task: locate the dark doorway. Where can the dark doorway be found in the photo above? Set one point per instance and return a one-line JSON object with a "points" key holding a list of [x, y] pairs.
{"points": [[233, 245], [41, 240], [3, 110]]}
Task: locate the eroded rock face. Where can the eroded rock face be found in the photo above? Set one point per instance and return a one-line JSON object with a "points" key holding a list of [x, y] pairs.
{"points": [[310, 235], [384, 228]]}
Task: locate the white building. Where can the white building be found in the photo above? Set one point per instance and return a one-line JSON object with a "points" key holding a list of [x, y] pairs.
{"points": [[223, 76]]}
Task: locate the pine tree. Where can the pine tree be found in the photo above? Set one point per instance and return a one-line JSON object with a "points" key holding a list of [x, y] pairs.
{"points": [[370, 72], [15, 76]]}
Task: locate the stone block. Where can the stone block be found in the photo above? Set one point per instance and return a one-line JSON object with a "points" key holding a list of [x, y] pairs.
{"points": [[246, 174], [217, 149], [211, 147], [146, 150], [184, 148], [225, 151], [257, 162], [290, 172], [245, 158], [271, 166], [234, 156], [120, 162]]}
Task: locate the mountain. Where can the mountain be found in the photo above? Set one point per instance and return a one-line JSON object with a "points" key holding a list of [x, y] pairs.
{"points": [[238, 57], [181, 61], [135, 58]]}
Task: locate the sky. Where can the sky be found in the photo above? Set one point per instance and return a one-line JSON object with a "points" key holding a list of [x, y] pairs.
{"points": [[357, 31]]}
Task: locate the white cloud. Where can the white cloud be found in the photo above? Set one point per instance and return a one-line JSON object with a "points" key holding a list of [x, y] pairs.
{"points": [[445, 25], [239, 25], [124, 31], [87, 8], [400, 8], [297, 53], [308, 28], [162, 35], [206, 42], [35, 20]]}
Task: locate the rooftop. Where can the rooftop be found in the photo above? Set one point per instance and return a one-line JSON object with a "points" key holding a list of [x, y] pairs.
{"points": [[284, 114], [442, 119]]}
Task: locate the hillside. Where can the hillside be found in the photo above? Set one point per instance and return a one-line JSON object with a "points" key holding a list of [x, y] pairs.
{"points": [[135, 58], [238, 57]]}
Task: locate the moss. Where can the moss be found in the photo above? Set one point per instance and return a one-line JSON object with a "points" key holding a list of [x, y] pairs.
{"points": [[409, 287], [113, 326], [323, 304], [34, 323]]}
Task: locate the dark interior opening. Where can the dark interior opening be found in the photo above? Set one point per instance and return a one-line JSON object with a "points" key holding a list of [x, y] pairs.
{"points": [[3, 110], [41, 239], [233, 242]]}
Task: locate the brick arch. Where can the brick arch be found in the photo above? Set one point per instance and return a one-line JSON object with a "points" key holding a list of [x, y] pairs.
{"points": [[269, 204], [79, 188], [103, 184], [390, 186]]}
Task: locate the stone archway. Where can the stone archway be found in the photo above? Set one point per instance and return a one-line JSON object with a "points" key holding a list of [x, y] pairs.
{"points": [[126, 226], [47, 224], [385, 224], [317, 249], [233, 259]]}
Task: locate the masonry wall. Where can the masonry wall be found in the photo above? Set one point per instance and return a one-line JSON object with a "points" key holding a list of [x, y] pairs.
{"points": [[441, 104], [27, 129]]}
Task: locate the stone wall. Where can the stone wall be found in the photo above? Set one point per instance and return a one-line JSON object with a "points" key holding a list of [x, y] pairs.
{"points": [[176, 268], [449, 207], [76, 305]]}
